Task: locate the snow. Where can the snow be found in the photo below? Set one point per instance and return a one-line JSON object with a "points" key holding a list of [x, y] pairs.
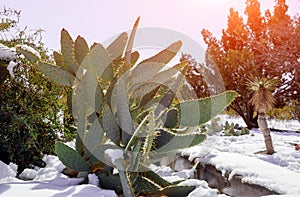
{"points": [[93, 179], [256, 171], [168, 174], [29, 49], [202, 189], [10, 68], [291, 125], [47, 182], [235, 155], [7, 53], [7, 172], [37, 189], [115, 155]]}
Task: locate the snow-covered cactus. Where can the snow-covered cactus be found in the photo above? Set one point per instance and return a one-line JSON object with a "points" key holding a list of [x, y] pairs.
{"points": [[119, 104]]}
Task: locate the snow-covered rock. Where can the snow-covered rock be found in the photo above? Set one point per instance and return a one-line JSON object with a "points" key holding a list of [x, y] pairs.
{"points": [[28, 174]]}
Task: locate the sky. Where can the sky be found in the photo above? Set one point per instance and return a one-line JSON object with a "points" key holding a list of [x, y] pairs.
{"points": [[98, 20]]}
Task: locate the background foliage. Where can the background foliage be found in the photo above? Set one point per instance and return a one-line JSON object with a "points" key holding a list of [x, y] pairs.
{"points": [[30, 103], [256, 44]]}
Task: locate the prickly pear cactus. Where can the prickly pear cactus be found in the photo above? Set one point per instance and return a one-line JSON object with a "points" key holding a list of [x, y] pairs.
{"points": [[71, 158], [120, 104]]}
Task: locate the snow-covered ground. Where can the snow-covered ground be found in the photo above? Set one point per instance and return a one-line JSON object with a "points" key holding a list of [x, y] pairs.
{"points": [[48, 181], [279, 172]]}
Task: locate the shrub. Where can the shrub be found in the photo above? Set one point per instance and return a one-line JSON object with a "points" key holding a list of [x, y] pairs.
{"points": [[28, 116], [29, 104]]}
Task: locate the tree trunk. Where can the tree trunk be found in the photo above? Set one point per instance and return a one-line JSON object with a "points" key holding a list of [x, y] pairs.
{"points": [[263, 126], [246, 112]]}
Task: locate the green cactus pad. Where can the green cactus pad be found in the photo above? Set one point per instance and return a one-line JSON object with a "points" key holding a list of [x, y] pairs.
{"points": [[177, 191], [58, 58], [146, 172], [99, 61], [145, 186], [154, 64], [171, 118], [110, 125], [56, 74], [165, 75], [110, 181], [199, 111], [33, 58], [116, 48], [142, 89], [87, 96], [81, 49], [93, 137], [168, 141], [68, 52], [70, 157], [124, 118]]}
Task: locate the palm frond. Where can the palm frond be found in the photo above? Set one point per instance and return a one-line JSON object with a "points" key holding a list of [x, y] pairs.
{"points": [[262, 88]]}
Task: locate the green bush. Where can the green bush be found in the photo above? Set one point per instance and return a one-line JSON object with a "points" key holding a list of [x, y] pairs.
{"points": [[30, 103], [284, 113], [29, 119]]}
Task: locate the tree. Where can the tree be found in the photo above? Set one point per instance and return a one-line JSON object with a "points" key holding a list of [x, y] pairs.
{"points": [[195, 76], [262, 46], [263, 100]]}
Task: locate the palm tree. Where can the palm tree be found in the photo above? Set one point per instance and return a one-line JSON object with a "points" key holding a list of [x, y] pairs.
{"points": [[263, 100]]}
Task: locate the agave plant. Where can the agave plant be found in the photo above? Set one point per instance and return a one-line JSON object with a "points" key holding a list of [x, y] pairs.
{"points": [[263, 100]]}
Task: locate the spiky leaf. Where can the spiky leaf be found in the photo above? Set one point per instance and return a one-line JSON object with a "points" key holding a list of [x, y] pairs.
{"points": [[146, 172], [128, 50]]}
